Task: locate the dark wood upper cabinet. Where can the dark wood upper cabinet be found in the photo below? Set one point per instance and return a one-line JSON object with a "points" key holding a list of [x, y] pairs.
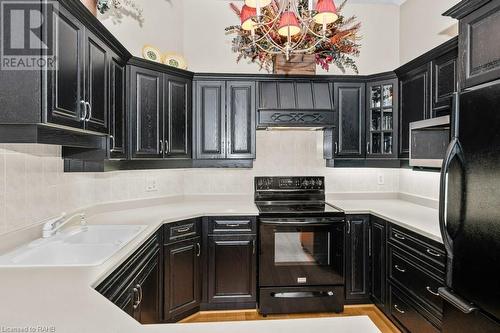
{"points": [[378, 276], [232, 269], [66, 104], [182, 293], [117, 111], [241, 120], [357, 259], [444, 83], [225, 120], [479, 54], [414, 104], [350, 120], [178, 117], [96, 89], [210, 119], [382, 114], [146, 112]]}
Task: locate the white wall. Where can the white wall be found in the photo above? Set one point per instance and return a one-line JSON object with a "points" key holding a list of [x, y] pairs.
{"points": [[208, 49], [161, 27], [423, 27]]}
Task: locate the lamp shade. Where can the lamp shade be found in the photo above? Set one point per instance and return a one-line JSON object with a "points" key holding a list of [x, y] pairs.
{"points": [[288, 22], [253, 3], [326, 12], [247, 14]]}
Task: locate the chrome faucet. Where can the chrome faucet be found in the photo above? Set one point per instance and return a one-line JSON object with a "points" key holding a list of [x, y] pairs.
{"points": [[52, 226]]}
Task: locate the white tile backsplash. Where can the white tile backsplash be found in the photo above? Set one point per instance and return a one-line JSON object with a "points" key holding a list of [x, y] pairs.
{"points": [[33, 186]]}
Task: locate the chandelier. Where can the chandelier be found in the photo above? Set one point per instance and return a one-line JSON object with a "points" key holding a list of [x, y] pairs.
{"points": [[293, 27]]}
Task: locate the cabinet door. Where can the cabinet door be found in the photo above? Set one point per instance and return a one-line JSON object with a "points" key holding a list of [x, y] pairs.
{"points": [[241, 115], [117, 128], [148, 285], [357, 277], [96, 87], [146, 112], [210, 120], [444, 83], [178, 118], [378, 262], [382, 119], [65, 96], [414, 103], [182, 292], [478, 45], [350, 120], [232, 269]]}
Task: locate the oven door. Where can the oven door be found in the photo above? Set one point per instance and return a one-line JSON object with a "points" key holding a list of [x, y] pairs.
{"points": [[298, 253]]}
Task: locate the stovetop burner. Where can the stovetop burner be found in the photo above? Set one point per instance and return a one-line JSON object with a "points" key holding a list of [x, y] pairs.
{"points": [[293, 197]]}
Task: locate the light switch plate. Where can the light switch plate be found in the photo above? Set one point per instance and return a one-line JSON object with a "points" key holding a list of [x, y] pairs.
{"points": [[151, 184], [380, 179]]}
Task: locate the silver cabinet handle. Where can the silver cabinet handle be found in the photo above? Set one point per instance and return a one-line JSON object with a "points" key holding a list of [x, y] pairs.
{"points": [[138, 300], [161, 146], [140, 293], [84, 116], [398, 309], [184, 229], [199, 249], [368, 147], [398, 236], [232, 225], [433, 253], [113, 143], [90, 111], [167, 146], [432, 292], [402, 270], [336, 148]]}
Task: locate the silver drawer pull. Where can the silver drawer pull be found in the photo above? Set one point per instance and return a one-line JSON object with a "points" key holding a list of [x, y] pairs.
{"points": [[432, 292], [398, 309], [402, 270], [433, 253], [184, 229], [398, 236], [232, 225]]}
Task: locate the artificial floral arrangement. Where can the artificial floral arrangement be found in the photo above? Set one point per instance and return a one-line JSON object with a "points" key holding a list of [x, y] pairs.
{"points": [[338, 48], [105, 5]]}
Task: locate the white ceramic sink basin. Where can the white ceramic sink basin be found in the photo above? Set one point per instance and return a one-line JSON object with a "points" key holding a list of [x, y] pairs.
{"points": [[76, 246]]}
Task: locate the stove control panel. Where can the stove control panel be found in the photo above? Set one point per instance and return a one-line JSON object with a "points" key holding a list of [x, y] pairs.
{"points": [[289, 183]]}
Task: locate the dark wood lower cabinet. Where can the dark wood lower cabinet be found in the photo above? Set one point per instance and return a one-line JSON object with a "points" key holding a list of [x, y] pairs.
{"points": [[378, 276], [357, 259], [147, 310], [182, 282], [232, 269]]}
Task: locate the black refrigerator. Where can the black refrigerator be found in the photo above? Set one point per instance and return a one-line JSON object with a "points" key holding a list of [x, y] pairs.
{"points": [[470, 214]]}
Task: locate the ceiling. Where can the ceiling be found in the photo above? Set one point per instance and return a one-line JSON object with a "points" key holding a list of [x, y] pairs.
{"points": [[395, 2]]}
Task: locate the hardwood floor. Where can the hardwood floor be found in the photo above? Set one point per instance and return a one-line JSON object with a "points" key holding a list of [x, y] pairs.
{"points": [[378, 318]]}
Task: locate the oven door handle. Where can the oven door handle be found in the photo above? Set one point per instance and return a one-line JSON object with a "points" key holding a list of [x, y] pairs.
{"points": [[300, 223]]}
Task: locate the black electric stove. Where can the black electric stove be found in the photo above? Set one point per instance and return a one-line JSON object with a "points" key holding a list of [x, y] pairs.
{"points": [[301, 246]]}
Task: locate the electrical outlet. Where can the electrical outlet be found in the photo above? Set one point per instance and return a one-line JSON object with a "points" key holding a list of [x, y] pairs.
{"points": [[151, 184], [380, 179]]}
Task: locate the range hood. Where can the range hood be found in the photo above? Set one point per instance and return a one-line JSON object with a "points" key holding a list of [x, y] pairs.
{"points": [[295, 105]]}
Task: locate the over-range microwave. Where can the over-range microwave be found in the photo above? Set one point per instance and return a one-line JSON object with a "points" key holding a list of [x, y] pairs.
{"points": [[429, 140]]}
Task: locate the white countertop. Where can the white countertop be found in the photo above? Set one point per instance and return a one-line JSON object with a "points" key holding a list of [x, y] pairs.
{"points": [[64, 298]]}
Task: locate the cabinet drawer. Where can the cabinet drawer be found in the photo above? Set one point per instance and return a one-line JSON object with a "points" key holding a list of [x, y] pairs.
{"points": [[226, 225], [178, 231], [403, 271], [406, 314], [114, 286], [425, 249]]}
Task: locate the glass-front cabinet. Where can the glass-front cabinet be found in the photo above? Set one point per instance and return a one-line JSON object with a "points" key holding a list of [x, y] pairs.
{"points": [[382, 119]]}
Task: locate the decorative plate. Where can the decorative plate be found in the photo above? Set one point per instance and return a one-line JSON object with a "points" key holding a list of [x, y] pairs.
{"points": [[151, 53], [174, 60]]}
